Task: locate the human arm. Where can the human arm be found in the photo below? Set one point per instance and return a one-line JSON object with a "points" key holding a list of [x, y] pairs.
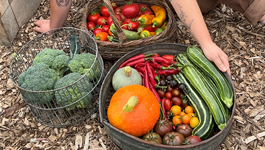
{"points": [[190, 14], [58, 15]]}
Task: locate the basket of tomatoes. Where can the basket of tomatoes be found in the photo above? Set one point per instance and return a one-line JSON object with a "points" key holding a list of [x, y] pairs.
{"points": [[121, 26], [159, 97]]}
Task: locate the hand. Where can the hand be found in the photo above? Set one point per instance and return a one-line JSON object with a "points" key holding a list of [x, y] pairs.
{"points": [[42, 26], [216, 55]]}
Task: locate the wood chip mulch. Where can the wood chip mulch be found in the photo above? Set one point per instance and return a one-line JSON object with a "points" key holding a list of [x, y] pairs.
{"points": [[242, 42]]}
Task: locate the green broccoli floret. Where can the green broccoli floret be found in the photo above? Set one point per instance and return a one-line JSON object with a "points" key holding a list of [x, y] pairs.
{"points": [[81, 63], [73, 93], [55, 59], [38, 78]]}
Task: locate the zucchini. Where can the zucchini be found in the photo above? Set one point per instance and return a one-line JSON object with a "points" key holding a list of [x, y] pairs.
{"points": [[191, 73], [204, 128], [130, 35], [182, 58], [197, 57]]}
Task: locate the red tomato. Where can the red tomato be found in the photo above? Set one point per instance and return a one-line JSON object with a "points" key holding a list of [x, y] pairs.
{"points": [[144, 7], [133, 26], [93, 17], [97, 30], [110, 19], [148, 12], [114, 5], [90, 26], [176, 101], [104, 11], [169, 57], [130, 10], [105, 28], [127, 20], [168, 95], [102, 21], [118, 11], [167, 104], [124, 25]]}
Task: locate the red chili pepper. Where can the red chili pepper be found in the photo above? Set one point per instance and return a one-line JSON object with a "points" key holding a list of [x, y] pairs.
{"points": [[161, 60], [152, 78], [135, 58], [146, 79], [174, 63], [156, 65], [140, 64], [140, 70], [163, 108], [168, 72], [169, 57], [155, 93], [156, 76], [150, 28], [141, 60]]}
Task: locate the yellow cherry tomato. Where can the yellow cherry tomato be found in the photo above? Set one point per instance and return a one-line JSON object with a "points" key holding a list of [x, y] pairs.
{"points": [[194, 121], [175, 110]]}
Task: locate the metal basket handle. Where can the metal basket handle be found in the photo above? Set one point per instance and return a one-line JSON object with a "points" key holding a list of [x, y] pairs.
{"points": [[121, 34]]}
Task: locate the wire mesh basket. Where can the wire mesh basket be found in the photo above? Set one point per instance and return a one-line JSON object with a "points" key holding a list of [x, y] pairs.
{"points": [[78, 100]]}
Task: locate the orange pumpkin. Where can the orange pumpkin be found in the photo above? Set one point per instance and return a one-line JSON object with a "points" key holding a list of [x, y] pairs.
{"points": [[134, 109]]}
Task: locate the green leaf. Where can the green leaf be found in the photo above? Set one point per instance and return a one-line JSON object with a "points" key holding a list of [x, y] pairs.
{"points": [[74, 45]]}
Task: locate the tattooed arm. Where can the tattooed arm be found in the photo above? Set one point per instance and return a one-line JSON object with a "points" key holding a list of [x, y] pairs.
{"points": [[190, 14], [58, 15]]}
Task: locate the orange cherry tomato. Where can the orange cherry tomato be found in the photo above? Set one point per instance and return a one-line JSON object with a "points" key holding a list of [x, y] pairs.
{"points": [[176, 120], [182, 113], [194, 121], [188, 109], [191, 114], [175, 110], [186, 119]]}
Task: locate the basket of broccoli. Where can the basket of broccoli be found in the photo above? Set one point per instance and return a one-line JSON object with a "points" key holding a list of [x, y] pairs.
{"points": [[59, 75]]}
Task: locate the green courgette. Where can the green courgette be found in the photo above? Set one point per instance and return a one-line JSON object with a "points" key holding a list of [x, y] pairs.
{"points": [[191, 73], [182, 58], [130, 35], [204, 128], [197, 57]]}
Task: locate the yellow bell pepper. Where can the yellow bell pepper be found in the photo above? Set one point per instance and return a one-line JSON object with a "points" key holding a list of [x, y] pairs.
{"points": [[160, 14], [145, 34], [146, 19]]}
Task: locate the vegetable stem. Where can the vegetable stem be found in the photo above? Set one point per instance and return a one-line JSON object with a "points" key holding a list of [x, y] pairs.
{"points": [[132, 102]]}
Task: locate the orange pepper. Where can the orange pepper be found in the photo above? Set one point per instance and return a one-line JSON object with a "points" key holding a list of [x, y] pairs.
{"points": [[160, 14], [102, 36], [152, 33], [146, 19]]}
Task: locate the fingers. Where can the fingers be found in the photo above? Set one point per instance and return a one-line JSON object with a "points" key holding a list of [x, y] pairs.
{"points": [[219, 63], [37, 23], [37, 29], [225, 61]]}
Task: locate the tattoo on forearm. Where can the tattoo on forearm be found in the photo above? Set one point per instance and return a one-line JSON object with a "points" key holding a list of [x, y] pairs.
{"points": [[183, 17], [62, 3]]}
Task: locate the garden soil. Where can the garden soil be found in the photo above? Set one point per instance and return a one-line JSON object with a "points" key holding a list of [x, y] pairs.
{"points": [[242, 42]]}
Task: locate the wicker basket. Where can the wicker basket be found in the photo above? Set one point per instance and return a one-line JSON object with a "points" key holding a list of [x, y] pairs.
{"points": [[112, 50]]}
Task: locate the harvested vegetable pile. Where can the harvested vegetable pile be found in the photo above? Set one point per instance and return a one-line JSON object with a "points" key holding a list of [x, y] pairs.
{"points": [[243, 43]]}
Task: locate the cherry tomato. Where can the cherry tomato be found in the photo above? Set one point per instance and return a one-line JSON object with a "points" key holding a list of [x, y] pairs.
{"points": [[105, 28], [176, 101], [191, 114], [114, 5], [97, 30], [186, 119], [161, 93], [104, 11], [188, 109], [194, 121], [184, 103], [175, 110], [175, 92], [168, 95], [167, 104], [93, 17], [182, 113], [176, 120], [169, 88], [102, 20], [110, 19], [90, 25]]}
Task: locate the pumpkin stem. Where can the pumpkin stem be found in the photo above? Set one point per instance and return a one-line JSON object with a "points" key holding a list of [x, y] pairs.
{"points": [[128, 71], [132, 102]]}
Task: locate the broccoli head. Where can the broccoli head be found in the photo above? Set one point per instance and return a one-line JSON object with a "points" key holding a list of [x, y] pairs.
{"points": [[38, 78], [55, 59], [81, 63], [73, 93]]}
